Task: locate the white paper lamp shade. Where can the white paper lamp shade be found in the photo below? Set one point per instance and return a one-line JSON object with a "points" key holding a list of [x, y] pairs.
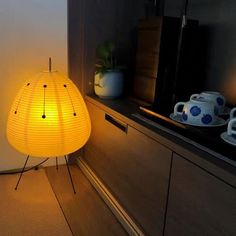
{"points": [[48, 117]]}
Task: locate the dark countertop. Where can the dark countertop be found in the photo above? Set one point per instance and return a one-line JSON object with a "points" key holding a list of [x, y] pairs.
{"points": [[204, 141]]}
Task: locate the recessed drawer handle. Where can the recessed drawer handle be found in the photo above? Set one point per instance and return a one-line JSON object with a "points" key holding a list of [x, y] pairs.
{"points": [[116, 122]]}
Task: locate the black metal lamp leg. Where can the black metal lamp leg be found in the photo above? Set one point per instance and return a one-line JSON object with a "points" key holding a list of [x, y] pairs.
{"points": [[22, 172], [70, 175], [56, 164]]}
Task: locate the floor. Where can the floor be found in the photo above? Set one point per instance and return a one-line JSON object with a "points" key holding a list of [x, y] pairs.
{"points": [[31, 210], [85, 211], [45, 204]]}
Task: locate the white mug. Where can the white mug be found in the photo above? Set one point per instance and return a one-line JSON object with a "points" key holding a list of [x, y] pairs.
{"points": [[232, 113], [197, 112], [212, 96], [231, 128]]}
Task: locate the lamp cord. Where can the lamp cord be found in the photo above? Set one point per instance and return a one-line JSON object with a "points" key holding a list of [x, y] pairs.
{"points": [[19, 171]]}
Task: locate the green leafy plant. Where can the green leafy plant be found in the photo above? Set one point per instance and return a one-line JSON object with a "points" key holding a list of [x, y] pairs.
{"points": [[107, 61]]}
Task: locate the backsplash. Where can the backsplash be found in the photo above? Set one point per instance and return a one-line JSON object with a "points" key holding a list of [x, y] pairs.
{"points": [[218, 20]]}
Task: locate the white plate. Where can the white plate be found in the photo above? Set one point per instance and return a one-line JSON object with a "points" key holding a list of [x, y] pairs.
{"points": [[228, 138], [178, 118]]}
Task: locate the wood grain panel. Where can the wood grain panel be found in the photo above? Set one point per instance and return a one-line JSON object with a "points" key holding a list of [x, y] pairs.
{"points": [[145, 87], [150, 40], [149, 37], [85, 211], [134, 167], [147, 58], [147, 64], [199, 203]]}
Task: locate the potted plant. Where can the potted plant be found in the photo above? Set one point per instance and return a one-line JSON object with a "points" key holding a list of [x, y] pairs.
{"points": [[108, 82]]}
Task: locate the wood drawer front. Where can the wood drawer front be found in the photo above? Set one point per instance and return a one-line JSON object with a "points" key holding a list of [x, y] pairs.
{"points": [[105, 136], [199, 203], [134, 167]]}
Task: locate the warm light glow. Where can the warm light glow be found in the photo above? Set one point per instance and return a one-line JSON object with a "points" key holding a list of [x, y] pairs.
{"points": [[48, 117]]}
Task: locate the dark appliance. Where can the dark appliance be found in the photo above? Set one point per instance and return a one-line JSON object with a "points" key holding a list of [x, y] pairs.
{"points": [[167, 62]]}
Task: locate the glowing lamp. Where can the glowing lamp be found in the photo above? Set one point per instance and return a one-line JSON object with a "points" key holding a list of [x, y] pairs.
{"points": [[48, 117]]}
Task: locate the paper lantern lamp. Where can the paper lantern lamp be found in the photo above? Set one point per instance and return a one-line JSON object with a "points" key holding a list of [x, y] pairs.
{"points": [[49, 117]]}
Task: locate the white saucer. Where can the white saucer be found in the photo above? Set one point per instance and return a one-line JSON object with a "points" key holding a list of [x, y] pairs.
{"points": [[178, 118], [228, 138]]}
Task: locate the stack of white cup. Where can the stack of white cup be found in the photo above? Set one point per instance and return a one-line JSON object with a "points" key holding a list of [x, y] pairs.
{"points": [[232, 125], [215, 97], [202, 109]]}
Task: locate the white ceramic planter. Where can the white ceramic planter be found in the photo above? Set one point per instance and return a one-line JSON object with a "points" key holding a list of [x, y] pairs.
{"points": [[109, 85]]}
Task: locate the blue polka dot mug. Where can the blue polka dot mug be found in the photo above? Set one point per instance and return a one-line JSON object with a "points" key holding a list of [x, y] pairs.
{"points": [[212, 96], [197, 112]]}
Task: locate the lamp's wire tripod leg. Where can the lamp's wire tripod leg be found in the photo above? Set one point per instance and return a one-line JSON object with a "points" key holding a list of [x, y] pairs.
{"points": [[70, 175], [23, 169], [56, 163], [22, 172]]}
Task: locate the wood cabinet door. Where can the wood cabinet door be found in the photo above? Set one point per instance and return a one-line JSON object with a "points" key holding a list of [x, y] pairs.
{"points": [[134, 167], [199, 203]]}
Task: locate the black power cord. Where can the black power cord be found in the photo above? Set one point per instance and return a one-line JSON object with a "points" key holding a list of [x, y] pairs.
{"points": [[19, 171]]}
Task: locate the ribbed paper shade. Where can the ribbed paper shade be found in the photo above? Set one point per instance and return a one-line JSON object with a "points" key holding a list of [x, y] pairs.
{"points": [[48, 117]]}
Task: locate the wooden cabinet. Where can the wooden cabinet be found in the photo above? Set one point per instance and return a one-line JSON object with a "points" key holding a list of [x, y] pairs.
{"points": [[164, 193], [133, 166], [199, 203]]}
